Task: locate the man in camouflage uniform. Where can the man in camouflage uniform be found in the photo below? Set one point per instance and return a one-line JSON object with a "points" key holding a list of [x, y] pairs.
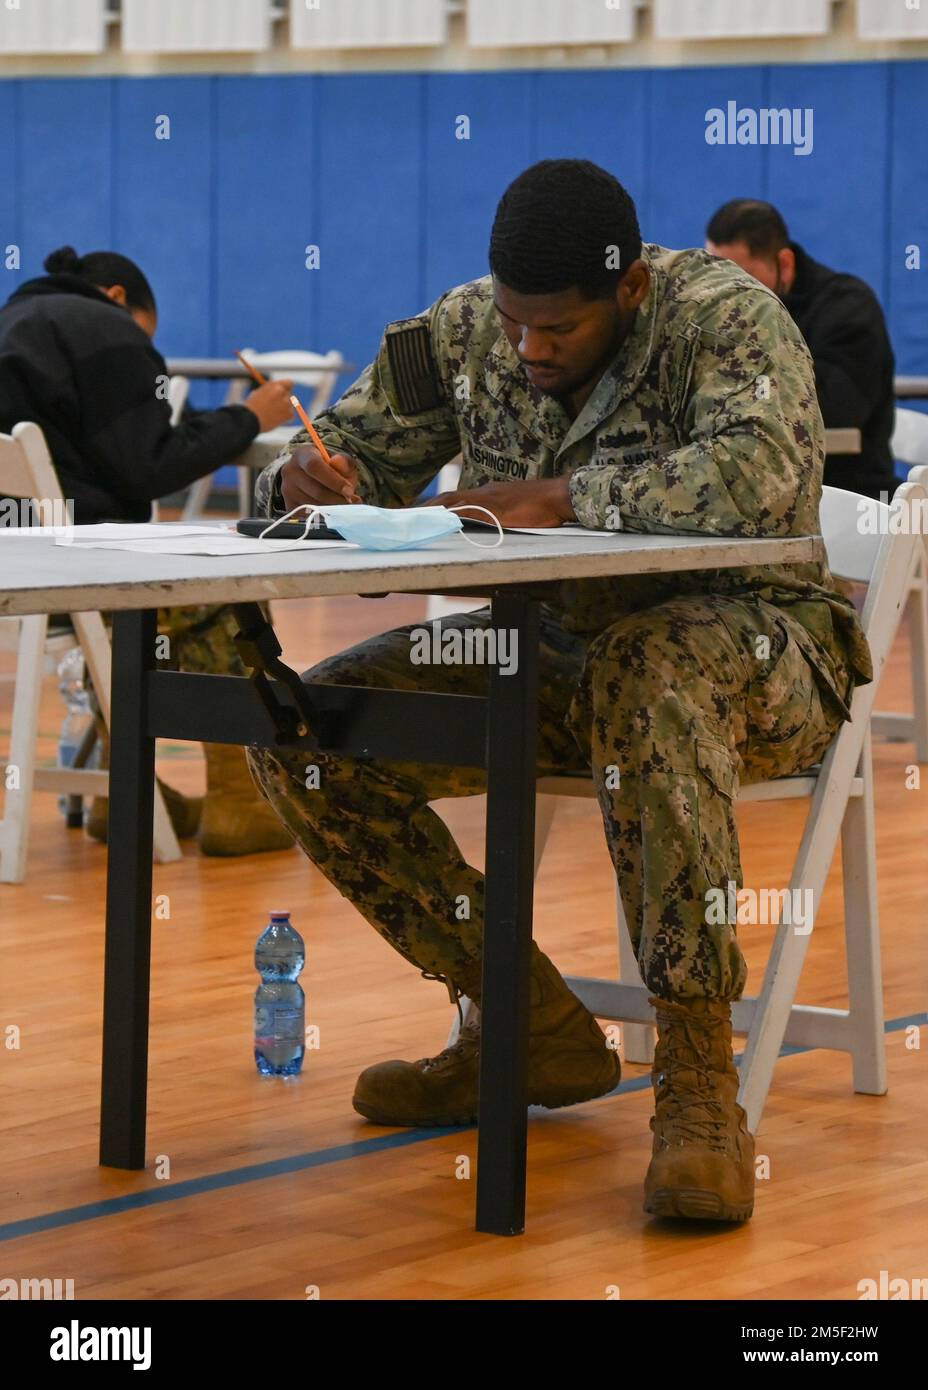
{"points": [[675, 396]]}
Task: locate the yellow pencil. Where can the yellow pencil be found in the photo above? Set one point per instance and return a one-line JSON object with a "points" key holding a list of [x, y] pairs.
{"points": [[311, 429], [251, 370]]}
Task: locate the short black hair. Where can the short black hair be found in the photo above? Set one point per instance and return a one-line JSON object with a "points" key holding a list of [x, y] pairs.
{"points": [[563, 224], [104, 269], [750, 220]]}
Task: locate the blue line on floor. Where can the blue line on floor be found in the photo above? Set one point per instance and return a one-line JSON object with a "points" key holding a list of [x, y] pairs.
{"points": [[214, 1182], [318, 1158]]}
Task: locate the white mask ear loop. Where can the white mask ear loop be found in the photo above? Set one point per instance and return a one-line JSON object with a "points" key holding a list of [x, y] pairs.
{"points": [[311, 513], [472, 507]]}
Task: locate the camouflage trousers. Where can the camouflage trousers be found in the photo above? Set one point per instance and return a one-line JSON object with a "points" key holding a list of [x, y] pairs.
{"points": [[202, 639], [668, 708]]}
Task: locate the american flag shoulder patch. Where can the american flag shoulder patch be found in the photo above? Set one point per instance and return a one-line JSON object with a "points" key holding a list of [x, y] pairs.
{"points": [[416, 383]]}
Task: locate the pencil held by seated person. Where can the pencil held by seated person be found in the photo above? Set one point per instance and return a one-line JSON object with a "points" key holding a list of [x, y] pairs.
{"points": [[314, 436], [265, 400], [251, 369]]}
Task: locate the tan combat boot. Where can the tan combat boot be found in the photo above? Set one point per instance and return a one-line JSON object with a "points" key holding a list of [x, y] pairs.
{"points": [[236, 818], [184, 811], [702, 1165], [569, 1061]]}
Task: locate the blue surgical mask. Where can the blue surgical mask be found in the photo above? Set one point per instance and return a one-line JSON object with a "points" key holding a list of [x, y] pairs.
{"points": [[383, 528], [388, 528]]}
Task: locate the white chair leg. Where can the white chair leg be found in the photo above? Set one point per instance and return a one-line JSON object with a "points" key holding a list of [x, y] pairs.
{"points": [[95, 644], [781, 978], [195, 504], [245, 491], [17, 800], [862, 938], [165, 846], [918, 635], [638, 1039], [469, 1010]]}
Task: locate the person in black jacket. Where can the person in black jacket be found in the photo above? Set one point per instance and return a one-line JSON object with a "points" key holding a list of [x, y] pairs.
{"points": [[76, 358], [841, 320]]}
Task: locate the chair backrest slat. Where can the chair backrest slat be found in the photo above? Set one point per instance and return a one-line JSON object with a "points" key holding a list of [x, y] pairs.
{"points": [[910, 436], [26, 471]]}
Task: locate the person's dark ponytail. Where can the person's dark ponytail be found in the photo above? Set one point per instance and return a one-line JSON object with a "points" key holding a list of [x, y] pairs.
{"points": [[64, 261], [104, 269]]}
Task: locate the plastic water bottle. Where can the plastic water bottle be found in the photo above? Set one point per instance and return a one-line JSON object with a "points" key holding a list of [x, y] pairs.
{"points": [[280, 1004], [78, 715]]}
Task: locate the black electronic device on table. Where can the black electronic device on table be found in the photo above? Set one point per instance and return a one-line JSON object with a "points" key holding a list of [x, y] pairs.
{"points": [[287, 530], [318, 531]]}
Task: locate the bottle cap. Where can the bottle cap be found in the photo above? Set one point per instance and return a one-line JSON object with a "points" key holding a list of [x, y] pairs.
{"points": [[275, 916]]}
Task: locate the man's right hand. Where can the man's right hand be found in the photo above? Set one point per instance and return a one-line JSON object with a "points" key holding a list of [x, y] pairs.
{"points": [[271, 404], [306, 477]]}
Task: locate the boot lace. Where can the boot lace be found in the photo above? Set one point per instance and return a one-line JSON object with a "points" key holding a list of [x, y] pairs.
{"points": [[467, 1043], [455, 993], [692, 1111], [468, 1037]]}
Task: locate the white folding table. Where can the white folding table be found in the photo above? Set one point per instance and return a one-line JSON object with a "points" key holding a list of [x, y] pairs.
{"points": [[498, 732]]}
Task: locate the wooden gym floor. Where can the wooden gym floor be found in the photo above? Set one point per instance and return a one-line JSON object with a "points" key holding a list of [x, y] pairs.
{"points": [[264, 1189]]}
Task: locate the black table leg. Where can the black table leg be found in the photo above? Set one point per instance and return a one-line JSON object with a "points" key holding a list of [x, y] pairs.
{"points": [[128, 897], [512, 741]]}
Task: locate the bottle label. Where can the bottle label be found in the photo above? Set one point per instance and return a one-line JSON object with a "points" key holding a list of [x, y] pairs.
{"points": [[271, 1022]]}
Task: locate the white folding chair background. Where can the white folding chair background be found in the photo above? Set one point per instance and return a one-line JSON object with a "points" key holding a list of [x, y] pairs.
{"points": [[315, 369], [910, 445], [26, 470], [437, 606], [178, 391], [840, 795]]}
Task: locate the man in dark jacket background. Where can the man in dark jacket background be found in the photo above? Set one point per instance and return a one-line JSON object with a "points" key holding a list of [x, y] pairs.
{"points": [[841, 320], [76, 358]]}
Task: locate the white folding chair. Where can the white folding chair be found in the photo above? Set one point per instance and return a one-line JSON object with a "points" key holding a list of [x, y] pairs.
{"points": [[178, 391], [26, 471], [840, 796], [315, 369], [910, 445], [437, 606]]}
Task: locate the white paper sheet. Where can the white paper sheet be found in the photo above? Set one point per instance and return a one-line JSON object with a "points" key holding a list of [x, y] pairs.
{"points": [[174, 538], [203, 545]]}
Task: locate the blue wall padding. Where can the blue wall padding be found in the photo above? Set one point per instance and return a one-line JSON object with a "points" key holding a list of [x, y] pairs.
{"points": [[905, 184], [688, 179], [368, 168]]}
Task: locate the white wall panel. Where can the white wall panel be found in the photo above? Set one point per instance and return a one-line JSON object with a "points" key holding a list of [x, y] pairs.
{"points": [[891, 19], [53, 26], [367, 23], [195, 26], [507, 23], [719, 19]]}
